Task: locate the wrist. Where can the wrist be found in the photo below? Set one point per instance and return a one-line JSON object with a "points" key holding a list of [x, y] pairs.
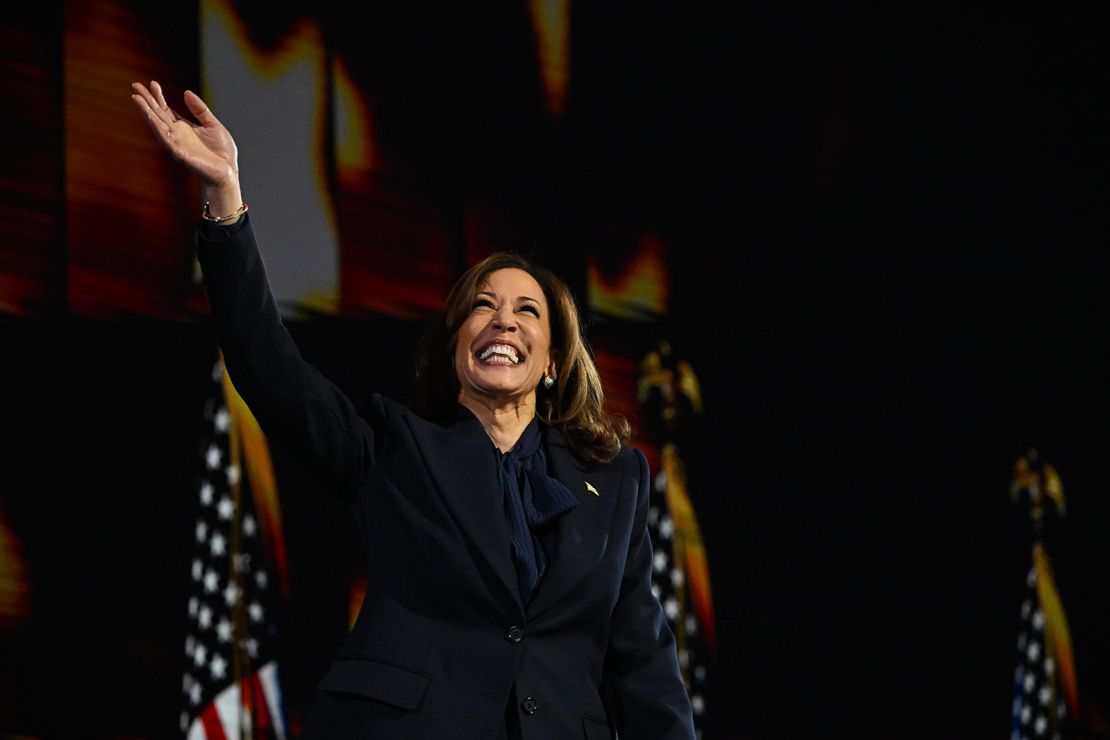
{"points": [[222, 200], [225, 220]]}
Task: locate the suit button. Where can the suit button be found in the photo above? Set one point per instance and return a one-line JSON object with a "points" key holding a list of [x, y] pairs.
{"points": [[529, 706], [515, 634]]}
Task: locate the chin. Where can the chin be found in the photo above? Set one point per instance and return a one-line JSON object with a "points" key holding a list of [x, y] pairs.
{"points": [[498, 391]]}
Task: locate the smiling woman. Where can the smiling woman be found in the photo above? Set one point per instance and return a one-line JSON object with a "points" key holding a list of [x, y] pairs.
{"points": [[509, 589], [507, 300], [502, 351]]}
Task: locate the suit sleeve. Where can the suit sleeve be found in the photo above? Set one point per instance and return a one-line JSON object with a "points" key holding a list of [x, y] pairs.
{"points": [[295, 405], [645, 686]]}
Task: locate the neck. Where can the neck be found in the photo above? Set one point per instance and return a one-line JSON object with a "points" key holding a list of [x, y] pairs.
{"points": [[503, 420]]}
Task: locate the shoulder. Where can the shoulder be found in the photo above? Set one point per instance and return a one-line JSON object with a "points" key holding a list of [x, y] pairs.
{"points": [[386, 408], [388, 417], [377, 404], [631, 466], [401, 422], [630, 460], [631, 479]]}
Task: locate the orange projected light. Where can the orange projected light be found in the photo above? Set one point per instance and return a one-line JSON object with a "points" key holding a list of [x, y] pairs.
{"points": [[618, 378], [15, 591], [395, 248], [636, 290], [551, 22], [689, 548], [354, 138], [255, 457], [129, 209], [31, 193], [398, 257]]}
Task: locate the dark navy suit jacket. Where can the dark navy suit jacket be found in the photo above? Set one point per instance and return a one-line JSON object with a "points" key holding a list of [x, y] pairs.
{"points": [[443, 646]]}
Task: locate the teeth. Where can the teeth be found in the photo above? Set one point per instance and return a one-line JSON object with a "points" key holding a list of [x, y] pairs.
{"points": [[500, 349]]}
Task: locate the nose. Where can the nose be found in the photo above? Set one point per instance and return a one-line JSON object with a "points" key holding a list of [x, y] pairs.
{"points": [[504, 319]]}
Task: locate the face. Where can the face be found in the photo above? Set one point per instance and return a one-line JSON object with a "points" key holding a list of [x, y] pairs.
{"points": [[503, 348]]}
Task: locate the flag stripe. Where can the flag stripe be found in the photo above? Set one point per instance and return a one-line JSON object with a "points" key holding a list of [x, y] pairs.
{"points": [[272, 692], [260, 708], [212, 723]]}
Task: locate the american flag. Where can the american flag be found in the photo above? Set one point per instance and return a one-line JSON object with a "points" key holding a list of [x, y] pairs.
{"points": [[1046, 698], [670, 397], [669, 584], [1039, 709], [230, 683]]}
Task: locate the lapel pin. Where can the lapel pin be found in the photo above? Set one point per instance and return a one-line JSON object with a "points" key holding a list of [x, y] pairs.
{"points": [[592, 490]]}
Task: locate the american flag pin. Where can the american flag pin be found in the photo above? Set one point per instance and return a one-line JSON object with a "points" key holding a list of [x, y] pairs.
{"points": [[591, 489]]}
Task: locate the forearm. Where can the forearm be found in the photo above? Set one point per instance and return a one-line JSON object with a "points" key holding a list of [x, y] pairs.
{"points": [[294, 403]]}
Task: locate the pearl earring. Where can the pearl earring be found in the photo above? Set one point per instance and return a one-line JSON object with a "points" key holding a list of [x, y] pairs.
{"points": [[548, 381]]}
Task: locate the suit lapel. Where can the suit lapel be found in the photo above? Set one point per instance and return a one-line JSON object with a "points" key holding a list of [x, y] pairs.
{"points": [[460, 459], [583, 531]]}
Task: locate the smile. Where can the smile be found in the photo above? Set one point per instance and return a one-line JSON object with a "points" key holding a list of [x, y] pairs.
{"points": [[500, 354]]}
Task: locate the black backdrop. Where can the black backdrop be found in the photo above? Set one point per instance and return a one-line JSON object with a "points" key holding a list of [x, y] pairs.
{"points": [[893, 282]]}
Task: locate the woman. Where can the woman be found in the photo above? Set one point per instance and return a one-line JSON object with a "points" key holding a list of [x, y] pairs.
{"points": [[509, 589]]}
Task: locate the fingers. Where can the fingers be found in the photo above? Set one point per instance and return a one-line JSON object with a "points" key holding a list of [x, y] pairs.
{"points": [[162, 131], [156, 105], [138, 90], [199, 110], [203, 146], [143, 101], [161, 119], [152, 108], [159, 97]]}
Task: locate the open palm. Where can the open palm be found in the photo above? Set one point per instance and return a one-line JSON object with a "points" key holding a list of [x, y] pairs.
{"points": [[204, 146]]}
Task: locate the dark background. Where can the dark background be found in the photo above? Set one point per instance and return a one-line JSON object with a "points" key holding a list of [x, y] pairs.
{"points": [[888, 262]]}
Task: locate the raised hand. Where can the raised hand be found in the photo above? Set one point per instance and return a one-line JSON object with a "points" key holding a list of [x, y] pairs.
{"points": [[204, 147]]}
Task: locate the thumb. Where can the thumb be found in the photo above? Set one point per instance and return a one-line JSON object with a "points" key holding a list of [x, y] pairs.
{"points": [[199, 110]]}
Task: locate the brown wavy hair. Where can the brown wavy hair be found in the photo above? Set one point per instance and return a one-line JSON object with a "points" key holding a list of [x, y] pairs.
{"points": [[575, 406]]}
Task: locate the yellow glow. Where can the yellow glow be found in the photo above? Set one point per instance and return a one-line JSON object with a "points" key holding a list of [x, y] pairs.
{"points": [[250, 444], [354, 606], [302, 45], [353, 137], [689, 549], [15, 593], [551, 22], [639, 290], [1056, 633]]}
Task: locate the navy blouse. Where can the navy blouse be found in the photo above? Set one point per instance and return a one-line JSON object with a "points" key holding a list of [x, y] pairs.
{"points": [[532, 501]]}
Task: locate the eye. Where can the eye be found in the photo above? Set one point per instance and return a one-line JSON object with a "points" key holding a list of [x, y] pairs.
{"points": [[531, 309], [483, 303]]}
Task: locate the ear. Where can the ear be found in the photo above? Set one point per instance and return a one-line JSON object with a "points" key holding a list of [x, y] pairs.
{"points": [[553, 365]]}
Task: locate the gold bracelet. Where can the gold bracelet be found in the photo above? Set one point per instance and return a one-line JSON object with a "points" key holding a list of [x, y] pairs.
{"points": [[207, 215]]}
